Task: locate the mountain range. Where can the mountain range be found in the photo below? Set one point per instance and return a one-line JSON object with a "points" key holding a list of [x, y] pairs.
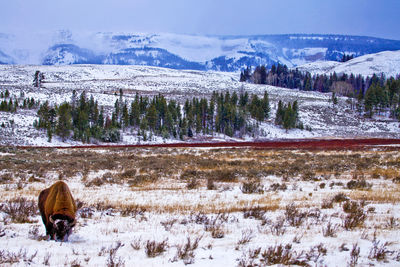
{"points": [[178, 51]]}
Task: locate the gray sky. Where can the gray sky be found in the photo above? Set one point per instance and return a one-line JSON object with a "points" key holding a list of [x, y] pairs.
{"points": [[378, 18]]}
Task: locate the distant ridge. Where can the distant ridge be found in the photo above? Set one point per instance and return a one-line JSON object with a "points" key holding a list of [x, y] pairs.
{"points": [[387, 63], [178, 51]]}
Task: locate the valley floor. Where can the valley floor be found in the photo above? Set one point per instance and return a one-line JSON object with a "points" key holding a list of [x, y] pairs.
{"points": [[206, 206]]}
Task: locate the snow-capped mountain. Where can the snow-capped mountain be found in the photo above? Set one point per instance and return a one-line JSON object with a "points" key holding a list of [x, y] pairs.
{"points": [[387, 62], [177, 51]]}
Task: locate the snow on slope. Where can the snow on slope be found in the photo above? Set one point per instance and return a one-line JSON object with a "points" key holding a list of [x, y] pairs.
{"points": [[387, 62], [180, 51], [105, 81]]}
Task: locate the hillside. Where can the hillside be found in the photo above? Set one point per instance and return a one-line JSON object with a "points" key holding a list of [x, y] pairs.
{"points": [[104, 82], [387, 62], [178, 51]]}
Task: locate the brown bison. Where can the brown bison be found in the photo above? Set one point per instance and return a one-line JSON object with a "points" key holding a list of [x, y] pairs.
{"points": [[58, 209]]}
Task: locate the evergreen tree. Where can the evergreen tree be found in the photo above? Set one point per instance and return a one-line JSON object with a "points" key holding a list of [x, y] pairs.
{"points": [[64, 123]]}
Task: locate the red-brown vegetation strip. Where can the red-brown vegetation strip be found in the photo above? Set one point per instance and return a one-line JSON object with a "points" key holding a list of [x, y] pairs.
{"points": [[308, 144]]}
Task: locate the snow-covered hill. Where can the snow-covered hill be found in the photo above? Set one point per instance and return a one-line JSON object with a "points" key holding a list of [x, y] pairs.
{"points": [[387, 62], [105, 81], [178, 51]]}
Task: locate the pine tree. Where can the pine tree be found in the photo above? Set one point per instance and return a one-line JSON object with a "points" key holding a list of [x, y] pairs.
{"points": [[265, 105], [64, 124], [279, 114]]}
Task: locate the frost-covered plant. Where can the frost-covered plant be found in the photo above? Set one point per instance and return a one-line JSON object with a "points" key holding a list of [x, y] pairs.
{"points": [[185, 252], [278, 227], [329, 230], [247, 236], [252, 187], [358, 184], [168, 223], [154, 248], [136, 243], [46, 259], [379, 252], [8, 257], [20, 209], [294, 216], [355, 215], [354, 255], [255, 212], [113, 260]]}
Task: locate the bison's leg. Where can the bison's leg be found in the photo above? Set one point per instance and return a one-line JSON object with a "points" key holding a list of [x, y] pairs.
{"points": [[50, 231]]}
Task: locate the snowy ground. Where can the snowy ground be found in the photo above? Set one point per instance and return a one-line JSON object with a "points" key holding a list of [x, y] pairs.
{"points": [[118, 218], [105, 81]]}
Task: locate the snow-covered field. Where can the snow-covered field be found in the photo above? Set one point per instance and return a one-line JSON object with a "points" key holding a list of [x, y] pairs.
{"points": [[191, 203], [105, 81]]}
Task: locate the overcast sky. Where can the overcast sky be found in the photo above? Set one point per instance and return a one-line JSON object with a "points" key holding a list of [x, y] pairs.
{"points": [[378, 18]]}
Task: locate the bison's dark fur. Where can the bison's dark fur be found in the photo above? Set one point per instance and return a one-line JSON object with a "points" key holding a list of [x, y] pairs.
{"points": [[58, 209]]}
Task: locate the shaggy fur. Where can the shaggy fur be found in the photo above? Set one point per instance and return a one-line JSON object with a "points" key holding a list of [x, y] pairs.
{"points": [[58, 209]]}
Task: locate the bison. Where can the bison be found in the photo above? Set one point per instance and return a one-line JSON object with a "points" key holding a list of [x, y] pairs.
{"points": [[58, 208]]}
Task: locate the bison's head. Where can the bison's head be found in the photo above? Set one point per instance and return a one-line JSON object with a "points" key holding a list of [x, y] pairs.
{"points": [[62, 228]]}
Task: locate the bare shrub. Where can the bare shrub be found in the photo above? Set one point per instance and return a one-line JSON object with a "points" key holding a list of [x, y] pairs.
{"points": [[2, 231], [309, 176], [316, 252], [130, 173], [106, 178], [278, 227], [192, 184], [217, 231], [141, 179], [8, 257], [136, 243], [329, 230], [86, 212], [355, 215], [280, 254], [294, 216], [343, 247], [247, 236], [113, 260], [297, 238], [168, 223], [358, 184], [252, 187], [46, 259], [75, 263], [210, 184], [20, 209], [154, 248], [6, 178], [327, 204], [392, 222], [224, 175], [133, 210], [249, 258], [34, 233], [278, 187], [354, 255], [190, 174], [340, 197], [185, 252], [255, 212], [379, 252]]}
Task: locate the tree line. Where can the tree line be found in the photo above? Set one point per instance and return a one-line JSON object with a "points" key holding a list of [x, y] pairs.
{"points": [[11, 104], [370, 95], [223, 113]]}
